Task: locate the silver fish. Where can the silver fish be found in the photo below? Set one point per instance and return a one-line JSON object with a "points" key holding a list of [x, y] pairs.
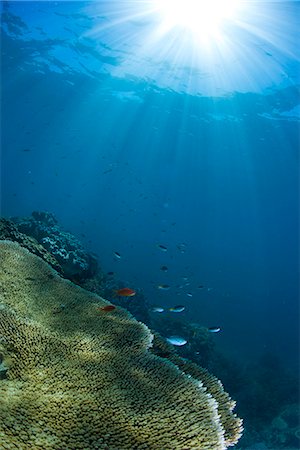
{"points": [[157, 309], [176, 340]]}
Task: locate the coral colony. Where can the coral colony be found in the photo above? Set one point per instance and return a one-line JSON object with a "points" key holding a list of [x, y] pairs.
{"points": [[96, 374]]}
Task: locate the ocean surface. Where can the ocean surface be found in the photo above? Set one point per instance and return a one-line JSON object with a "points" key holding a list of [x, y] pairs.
{"points": [[137, 134]]}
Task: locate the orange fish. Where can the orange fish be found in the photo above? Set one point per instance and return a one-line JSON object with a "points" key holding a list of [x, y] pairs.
{"points": [[124, 292], [107, 308]]}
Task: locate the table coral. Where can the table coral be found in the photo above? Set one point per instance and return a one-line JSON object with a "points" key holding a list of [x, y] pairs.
{"points": [[79, 378], [231, 424]]}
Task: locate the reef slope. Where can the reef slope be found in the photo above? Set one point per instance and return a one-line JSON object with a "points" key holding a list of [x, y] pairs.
{"points": [[80, 378]]}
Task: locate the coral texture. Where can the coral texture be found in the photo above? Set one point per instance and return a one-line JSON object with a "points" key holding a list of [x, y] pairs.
{"points": [[284, 430], [65, 248], [81, 378], [9, 231], [231, 424]]}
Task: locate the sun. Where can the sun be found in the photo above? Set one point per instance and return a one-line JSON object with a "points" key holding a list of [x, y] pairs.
{"points": [[201, 17]]}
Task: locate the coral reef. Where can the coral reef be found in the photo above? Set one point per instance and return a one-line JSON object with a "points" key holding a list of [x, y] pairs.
{"points": [[137, 305], [106, 286], [41, 234], [270, 383], [200, 347], [63, 246], [9, 231], [284, 430], [79, 378], [230, 423]]}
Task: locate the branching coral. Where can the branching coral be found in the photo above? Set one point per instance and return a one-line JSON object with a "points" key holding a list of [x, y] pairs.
{"points": [[80, 378]]}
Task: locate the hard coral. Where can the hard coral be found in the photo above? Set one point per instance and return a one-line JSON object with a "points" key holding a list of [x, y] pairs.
{"points": [[65, 248], [231, 424], [9, 231], [285, 428], [79, 378]]}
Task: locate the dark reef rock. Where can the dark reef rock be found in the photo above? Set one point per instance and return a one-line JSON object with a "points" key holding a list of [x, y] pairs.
{"points": [[9, 231], [76, 263], [45, 217]]}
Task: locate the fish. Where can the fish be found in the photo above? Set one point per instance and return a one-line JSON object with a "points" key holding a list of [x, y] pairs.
{"points": [[177, 309], [200, 286], [110, 274], [107, 308], [117, 255], [164, 268], [214, 329], [164, 287], [181, 247], [157, 309], [125, 292], [189, 294], [176, 340], [162, 247]]}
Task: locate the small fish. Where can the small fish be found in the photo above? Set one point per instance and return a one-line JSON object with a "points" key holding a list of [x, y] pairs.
{"points": [[200, 286], [110, 274], [189, 294], [117, 255], [162, 247], [107, 308], [164, 269], [164, 287], [181, 247], [176, 340], [30, 279], [214, 329], [157, 309], [177, 309], [125, 292]]}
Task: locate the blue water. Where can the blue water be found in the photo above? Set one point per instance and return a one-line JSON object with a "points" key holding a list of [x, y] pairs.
{"points": [[131, 144]]}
